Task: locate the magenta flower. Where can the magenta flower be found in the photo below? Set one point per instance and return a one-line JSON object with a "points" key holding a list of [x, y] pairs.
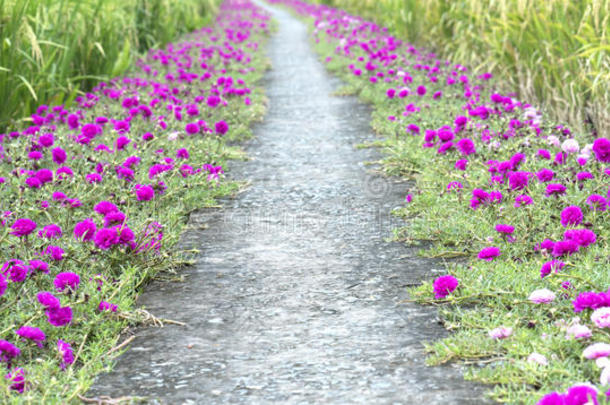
{"points": [[105, 238], [66, 353], [505, 229], [555, 189], [8, 351], [466, 146], [571, 215], [105, 207], [48, 300], [85, 230], [16, 270], [583, 237], [3, 285], [601, 148], [444, 285], [221, 127], [66, 280], [23, 227], [192, 128], [489, 253], [51, 231], [59, 155], [32, 333], [39, 266], [182, 153], [518, 180], [59, 316], [564, 248], [144, 192], [523, 199]]}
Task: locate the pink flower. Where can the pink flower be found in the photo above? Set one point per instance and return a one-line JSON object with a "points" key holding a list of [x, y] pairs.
{"points": [[537, 358], [596, 350], [107, 306], [601, 317], [66, 353], [16, 379], [571, 215], [59, 316], [578, 331], [501, 332]]}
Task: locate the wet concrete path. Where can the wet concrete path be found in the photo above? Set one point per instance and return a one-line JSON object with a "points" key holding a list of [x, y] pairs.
{"points": [[294, 298]]}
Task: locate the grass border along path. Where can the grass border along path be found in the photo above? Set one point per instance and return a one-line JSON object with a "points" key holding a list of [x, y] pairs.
{"points": [[522, 200], [94, 199]]}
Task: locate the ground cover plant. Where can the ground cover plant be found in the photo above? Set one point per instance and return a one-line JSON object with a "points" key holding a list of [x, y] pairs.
{"points": [[54, 50], [94, 198], [521, 199], [556, 54]]}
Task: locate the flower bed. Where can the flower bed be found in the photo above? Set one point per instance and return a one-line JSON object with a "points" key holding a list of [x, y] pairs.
{"points": [[522, 199], [95, 198]]}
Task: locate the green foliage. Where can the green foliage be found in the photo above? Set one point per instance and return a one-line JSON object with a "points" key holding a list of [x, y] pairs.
{"points": [[556, 53], [51, 50]]}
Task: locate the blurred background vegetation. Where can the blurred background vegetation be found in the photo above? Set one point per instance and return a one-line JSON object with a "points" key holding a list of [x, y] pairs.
{"points": [[555, 53], [50, 50]]}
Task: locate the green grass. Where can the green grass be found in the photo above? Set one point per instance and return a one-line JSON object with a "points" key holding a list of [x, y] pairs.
{"points": [[53, 50], [555, 53]]}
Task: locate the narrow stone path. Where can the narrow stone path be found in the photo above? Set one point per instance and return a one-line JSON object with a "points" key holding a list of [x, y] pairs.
{"points": [[295, 296]]}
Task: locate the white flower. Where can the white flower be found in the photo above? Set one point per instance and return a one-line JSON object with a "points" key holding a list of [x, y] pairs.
{"points": [[570, 146], [601, 317], [542, 296], [537, 358], [501, 332]]}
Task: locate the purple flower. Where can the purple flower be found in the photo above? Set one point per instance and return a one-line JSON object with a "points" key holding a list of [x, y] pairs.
{"points": [[555, 189], [466, 146], [523, 199], [114, 218], [51, 231], [17, 271], [55, 252], [3, 285], [8, 351], [518, 180], [590, 300], [564, 247], [32, 333], [444, 285], [23, 227], [221, 127], [545, 175], [66, 280], [192, 128], [489, 253], [182, 154], [39, 266], [107, 306], [66, 353], [571, 215], [550, 266], [16, 379], [59, 316], [583, 237], [105, 207], [59, 155], [48, 300], [597, 202], [85, 230]]}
